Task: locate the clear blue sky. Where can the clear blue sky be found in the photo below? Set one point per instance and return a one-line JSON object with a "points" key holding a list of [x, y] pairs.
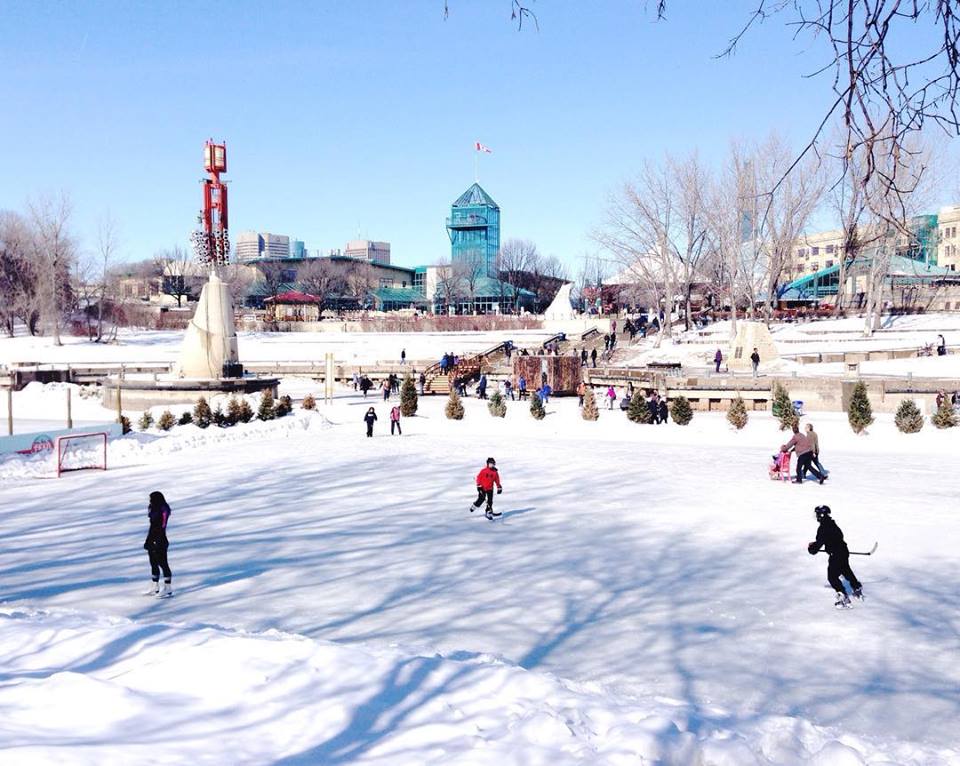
{"points": [[339, 114]]}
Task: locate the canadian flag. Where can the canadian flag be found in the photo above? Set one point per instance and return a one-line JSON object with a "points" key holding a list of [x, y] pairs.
{"points": [[481, 148]]}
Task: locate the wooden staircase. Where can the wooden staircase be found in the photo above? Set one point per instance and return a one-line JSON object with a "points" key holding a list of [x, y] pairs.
{"points": [[470, 368]]}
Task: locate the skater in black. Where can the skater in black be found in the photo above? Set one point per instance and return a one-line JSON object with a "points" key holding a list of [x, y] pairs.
{"points": [[830, 538], [370, 418], [156, 546], [486, 479]]}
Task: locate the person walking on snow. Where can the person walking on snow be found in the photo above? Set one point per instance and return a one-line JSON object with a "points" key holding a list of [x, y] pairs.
{"points": [[486, 479], [156, 546], [662, 410], [830, 538], [386, 388], [611, 397], [370, 418], [482, 387], [395, 420], [804, 449], [755, 361], [593, 357], [815, 444], [403, 356], [522, 387], [717, 358]]}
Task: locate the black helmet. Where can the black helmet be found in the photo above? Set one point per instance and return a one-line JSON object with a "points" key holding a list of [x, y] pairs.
{"points": [[491, 461], [822, 511]]}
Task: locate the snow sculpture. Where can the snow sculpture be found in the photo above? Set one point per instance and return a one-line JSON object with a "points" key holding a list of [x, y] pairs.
{"points": [[560, 309]]}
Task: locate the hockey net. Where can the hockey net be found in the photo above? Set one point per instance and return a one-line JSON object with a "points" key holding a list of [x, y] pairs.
{"points": [[79, 452]]}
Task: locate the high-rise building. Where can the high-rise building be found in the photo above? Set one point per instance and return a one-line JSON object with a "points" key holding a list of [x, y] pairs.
{"points": [[275, 245], [297, 249], [375, 252], [249, 246], [474, 230]]}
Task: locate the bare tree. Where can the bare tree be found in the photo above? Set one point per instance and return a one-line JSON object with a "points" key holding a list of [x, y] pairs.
{"points": [[657, 228], [54, 249], [593, 272], [240, 279], [360, 281], [108, 244], [18, 274], [321, 277], [178, 272], [514, 259], [272, 276], [449, 284]]}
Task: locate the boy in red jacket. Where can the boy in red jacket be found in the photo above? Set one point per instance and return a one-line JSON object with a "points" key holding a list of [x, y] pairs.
{"points": [[485, 481]]}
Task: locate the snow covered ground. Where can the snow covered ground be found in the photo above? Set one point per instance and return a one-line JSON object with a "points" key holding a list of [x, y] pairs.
{"points": [[646, 597]]}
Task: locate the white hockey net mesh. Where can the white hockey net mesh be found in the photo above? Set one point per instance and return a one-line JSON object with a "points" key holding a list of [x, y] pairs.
{"points": [[78, 452]]}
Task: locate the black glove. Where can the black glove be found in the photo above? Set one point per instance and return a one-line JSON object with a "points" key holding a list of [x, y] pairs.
{"points": [[499, 490], [813, 549]]}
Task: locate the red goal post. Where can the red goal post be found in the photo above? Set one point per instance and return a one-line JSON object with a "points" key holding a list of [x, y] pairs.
{"points": [[96, 459]]}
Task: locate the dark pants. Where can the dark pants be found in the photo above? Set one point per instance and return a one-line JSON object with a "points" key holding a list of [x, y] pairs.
{"points": [[839, 566], [397, 424], [369, 429], [804, 464], [484, 496], [158, 561], [717, 365]]}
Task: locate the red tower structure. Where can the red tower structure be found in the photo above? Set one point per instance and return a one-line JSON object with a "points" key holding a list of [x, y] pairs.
{"points": [[212, 242]]}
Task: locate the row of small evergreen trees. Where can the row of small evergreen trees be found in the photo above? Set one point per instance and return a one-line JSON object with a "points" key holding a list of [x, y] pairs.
{"points": [[238, 411], [680, 409]]}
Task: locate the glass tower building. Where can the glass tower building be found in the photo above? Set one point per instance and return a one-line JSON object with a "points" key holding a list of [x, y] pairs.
{"points": [[474, 230]]}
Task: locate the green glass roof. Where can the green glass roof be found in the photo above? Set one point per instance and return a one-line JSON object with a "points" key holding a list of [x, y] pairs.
{"points": [[475, 196]]}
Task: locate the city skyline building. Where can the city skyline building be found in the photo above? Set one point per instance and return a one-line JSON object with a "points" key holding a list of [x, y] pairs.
{"points": [[375, 252]]}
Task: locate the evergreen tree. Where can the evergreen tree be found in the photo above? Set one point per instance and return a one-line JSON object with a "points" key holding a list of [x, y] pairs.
{"points": [[265, 411], [283, 407], [146, 420], [166, 421], [408, 397], [908, 418], [185, 419], [219, 417], [497, 406], [309, 403], [737, 414], [536, 407], [944, 417], [782, 408], [246, 411], [589, 411], [638, 411], [233, 411], [454, 408], [202, 414], [859, 413], [680, 411]]}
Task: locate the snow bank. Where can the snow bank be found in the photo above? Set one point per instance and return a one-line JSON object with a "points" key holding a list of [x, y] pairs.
{"points": [[81, 689]]}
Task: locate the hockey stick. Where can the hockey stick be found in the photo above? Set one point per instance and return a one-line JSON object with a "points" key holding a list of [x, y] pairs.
{"points": [[865, 553]]}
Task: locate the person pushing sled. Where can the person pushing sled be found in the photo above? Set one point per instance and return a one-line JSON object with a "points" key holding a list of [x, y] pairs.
{"points": [[830, 538], [486, 479]]}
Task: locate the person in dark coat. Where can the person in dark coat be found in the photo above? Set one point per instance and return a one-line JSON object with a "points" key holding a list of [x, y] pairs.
{"points": [[830, 538], [156, 546], [717, 359], [653, 406], [365, 385], [662, 410], [482, 387], [755, 361], [370, 418], [593, 357]]}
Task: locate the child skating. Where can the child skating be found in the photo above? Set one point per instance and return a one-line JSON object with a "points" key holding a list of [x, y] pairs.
{"points": [[830, 538], [156, 546], [486, 479]]}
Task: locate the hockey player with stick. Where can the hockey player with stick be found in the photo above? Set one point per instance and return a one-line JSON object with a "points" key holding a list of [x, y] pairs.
{"points": [[830, 538], [486, 479]]}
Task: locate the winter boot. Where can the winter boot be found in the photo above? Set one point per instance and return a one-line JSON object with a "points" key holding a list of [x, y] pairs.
{"points": [[154, 588], [843, 601], [489, 514], [166, 591], [858, 594]]}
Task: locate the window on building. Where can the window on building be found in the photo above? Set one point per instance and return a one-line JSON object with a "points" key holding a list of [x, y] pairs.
{"points": [[814, 266], [828, 264], [830, 249], [802, 252], [814, 251]]}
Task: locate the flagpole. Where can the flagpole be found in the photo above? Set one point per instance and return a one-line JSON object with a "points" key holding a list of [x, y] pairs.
{"points": [[476, 167]]}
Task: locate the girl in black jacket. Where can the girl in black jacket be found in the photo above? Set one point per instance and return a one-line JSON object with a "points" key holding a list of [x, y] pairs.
{"points": [[156, 546], [370, 418]]}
